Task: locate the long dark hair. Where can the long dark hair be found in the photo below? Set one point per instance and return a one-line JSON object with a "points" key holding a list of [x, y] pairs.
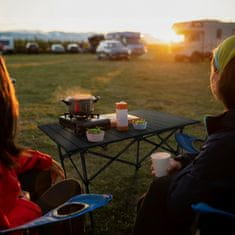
{"points": [[9, 112]]}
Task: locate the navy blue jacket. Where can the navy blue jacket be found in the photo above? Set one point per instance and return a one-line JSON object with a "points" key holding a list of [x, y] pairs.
{"points": [[210, 177]]}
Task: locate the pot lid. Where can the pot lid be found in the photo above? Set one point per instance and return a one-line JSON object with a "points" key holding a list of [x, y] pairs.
{"points": [[80, 97]]}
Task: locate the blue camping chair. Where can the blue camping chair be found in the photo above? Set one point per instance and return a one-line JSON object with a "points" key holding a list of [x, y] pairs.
{"points": [[209, 220], [212, 221], [74, 207], [187, 143]]}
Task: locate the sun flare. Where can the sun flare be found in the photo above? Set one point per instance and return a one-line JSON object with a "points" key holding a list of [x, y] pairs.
{"points": [[169, 36]]}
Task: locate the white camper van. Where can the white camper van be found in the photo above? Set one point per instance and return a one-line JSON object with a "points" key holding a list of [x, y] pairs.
{"points": [[200, 38], [7, 44]]}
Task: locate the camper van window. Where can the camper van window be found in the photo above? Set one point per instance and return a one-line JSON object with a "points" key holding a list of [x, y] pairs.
{"points": [[219, 33], [197, 24], [193, 37], [5, 42]]}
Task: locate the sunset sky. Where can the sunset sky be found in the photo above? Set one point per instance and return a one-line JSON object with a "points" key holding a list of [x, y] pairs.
{"points": [[147, 16]]}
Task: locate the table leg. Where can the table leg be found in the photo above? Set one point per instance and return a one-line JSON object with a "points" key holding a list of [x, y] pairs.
{"points": [[86, 182], [138, 165], [61, 159], [84, 170]]}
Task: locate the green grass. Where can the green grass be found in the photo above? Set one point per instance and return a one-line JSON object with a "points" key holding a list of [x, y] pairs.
{"points": [[153, 81]]}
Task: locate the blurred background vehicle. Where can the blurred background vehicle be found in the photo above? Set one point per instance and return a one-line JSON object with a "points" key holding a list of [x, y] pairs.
{"points": [[132, 40], [7, 44], [32, 48], [112, 49], [200, 37], [94, 41], [57, 48], [74, 48]]}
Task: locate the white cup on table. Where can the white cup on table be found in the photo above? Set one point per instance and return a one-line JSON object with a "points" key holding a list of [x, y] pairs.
{"points": [[160, 163]]}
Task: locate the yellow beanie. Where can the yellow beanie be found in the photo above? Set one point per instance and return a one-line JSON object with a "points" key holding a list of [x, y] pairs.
{"points": [[224, 53]]}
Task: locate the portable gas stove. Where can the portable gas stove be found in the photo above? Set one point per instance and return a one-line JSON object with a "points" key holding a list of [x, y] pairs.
{"points": [[80, 123]]}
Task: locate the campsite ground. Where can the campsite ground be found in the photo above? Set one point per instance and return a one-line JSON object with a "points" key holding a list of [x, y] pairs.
{"points": [[153, 81]]}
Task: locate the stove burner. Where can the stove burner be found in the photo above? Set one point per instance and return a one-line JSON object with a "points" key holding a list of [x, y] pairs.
{"points": [[80, 123], [82, 117]]}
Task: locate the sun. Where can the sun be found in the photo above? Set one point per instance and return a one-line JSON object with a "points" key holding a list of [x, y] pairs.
{"points": [[169, 36], [166, 34]]}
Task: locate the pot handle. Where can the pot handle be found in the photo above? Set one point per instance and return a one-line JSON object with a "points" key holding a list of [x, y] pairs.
{"points": [[66, 102], [96, 98]]}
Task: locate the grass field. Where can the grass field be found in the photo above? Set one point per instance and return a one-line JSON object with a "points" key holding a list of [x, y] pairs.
{"points": [[153, 81]]}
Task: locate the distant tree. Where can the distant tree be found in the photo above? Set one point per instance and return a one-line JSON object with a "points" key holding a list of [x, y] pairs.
{"points": [[43, 45], [20, 45]]}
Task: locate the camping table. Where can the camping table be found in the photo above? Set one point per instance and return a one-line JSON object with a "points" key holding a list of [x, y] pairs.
{"points": [[70, 144]]}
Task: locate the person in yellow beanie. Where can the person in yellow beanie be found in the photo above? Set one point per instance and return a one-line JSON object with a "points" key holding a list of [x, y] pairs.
{"points": [[224, 53], [208, 176], [223, 72]]}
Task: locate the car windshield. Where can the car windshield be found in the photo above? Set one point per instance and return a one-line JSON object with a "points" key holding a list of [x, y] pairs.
{"points": [[115, 45], [133, 40]]}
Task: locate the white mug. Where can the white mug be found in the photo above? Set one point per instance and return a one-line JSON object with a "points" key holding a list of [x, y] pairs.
{"points": [[160, 162]]}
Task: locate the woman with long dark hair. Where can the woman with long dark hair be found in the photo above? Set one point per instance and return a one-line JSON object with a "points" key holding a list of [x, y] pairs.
{"points": [[16, 208]]}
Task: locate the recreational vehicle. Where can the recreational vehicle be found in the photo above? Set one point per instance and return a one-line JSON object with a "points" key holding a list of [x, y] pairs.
{"points": [[200, 38], [94, 41], [132, 40], [7, 44]]}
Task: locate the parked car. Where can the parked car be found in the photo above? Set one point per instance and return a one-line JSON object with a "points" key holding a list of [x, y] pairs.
{"points": [[57, 48], [132, 40], [112, 49], [32, 48], [74, 48]]}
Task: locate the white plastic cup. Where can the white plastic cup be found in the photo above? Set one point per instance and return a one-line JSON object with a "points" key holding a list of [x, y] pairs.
{"points": [[160, 163]]}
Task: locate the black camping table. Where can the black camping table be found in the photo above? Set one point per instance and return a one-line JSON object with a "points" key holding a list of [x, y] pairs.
{"points": [[161, 126]]}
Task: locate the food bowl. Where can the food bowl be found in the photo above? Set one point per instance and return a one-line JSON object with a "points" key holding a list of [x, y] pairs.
{"points": [[139, 124], [95, 137]]}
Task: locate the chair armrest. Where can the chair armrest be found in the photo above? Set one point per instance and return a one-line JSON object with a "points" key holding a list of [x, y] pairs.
{"points": [[93, 201], [205, 208]]}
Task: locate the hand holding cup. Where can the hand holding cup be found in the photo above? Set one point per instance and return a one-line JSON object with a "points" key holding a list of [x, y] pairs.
{"points": [[163, 164]]}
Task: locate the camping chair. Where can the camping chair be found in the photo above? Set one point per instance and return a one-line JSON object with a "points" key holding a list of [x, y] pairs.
{"points": [[209, 220], [73, 208], [187, 143]]}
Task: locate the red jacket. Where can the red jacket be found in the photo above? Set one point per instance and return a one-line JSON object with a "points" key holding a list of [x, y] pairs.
{"points": [[15, 210]]}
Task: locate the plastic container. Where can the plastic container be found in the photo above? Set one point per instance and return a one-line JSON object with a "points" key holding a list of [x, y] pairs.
{"points": [[139, 125], [122, 116], [91, 137]]}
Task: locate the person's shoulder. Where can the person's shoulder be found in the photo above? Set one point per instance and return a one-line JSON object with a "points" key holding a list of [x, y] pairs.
{"points": [[223, 137], [217, 146]]}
